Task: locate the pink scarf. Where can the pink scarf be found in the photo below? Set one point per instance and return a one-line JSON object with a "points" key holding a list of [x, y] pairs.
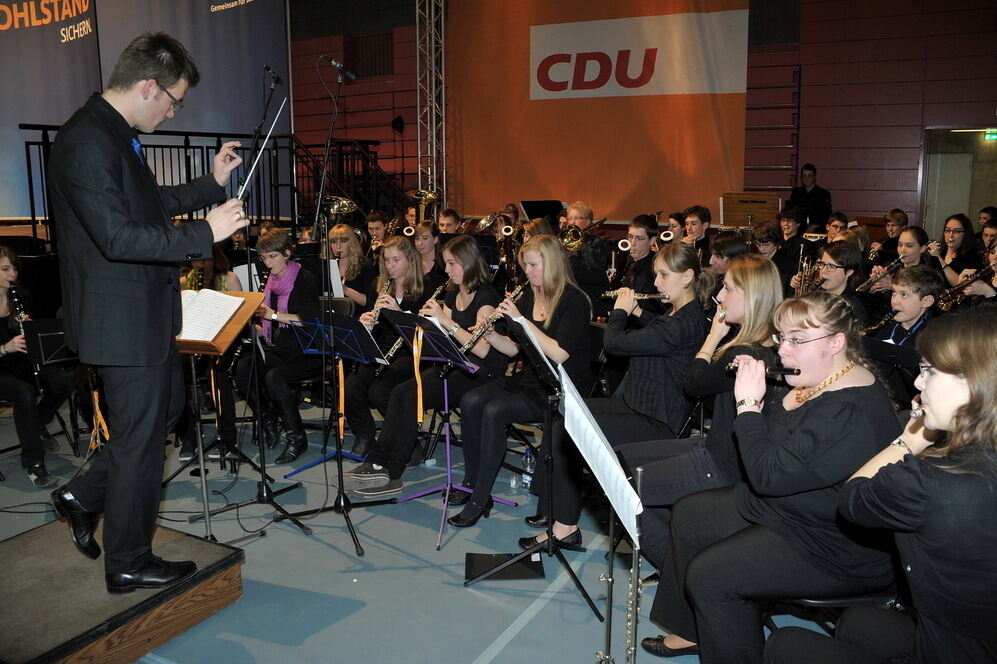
{"points": [[282, 285]]}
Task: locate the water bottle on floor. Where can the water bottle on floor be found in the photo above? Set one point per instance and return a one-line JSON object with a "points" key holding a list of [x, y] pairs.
{"points": [[529, 467]]}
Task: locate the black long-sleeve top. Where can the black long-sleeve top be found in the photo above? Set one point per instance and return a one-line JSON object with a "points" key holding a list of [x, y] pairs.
{"points": [[569, 327], [494, 362], [639, 276], [707, 379], [797, 462], [944, 527], [660, 353], [588, 265]]}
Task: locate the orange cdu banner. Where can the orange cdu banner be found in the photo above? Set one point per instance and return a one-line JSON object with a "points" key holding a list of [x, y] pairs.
{"points": [[633, 106]]}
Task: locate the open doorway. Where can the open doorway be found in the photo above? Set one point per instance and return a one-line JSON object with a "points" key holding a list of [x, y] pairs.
{"points": [[960, 175]]}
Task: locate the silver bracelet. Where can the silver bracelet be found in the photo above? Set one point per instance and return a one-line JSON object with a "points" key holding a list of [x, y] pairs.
{"points": [[899, 442]]}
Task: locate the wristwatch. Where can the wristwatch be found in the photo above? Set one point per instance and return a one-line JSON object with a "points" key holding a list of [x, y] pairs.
{"points": [[748, 402], [273, 316]]}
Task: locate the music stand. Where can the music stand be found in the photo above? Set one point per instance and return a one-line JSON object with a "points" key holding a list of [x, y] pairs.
{"points": [[45, 339], [550, 379], [350, 340], [438, 346], [357, 344], [900, 366]]}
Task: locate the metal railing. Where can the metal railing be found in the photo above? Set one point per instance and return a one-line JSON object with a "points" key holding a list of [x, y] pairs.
{"points": [[284, 191]]}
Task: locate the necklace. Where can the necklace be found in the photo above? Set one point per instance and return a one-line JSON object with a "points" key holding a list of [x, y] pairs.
{"points": [[802, 396]]}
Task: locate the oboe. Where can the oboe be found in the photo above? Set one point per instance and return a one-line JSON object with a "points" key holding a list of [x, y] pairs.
{"points": [[769, 371], [17, 308], [400, 340], [489, 322]]}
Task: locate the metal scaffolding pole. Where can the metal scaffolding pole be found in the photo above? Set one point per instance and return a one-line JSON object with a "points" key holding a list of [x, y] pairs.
{"points": [[431, 97]]}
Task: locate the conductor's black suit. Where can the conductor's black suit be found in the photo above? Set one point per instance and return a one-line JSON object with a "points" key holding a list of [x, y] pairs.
{"points": [[118, 251]]}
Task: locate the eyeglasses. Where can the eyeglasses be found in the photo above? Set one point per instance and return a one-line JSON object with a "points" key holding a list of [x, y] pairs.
{"points": [[175, 104], [830, 267], [638, 238], [954, 230], [780, 339]]}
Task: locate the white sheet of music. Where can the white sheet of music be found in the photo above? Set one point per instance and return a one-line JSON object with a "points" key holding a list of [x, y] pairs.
{"points": [[205, 313], [335, 278], [252, 282], [533, 339], [601, 458]]}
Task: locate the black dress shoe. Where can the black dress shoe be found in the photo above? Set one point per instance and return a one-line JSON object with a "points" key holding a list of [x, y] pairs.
{"points": [[458, 497], [656, 646], [82, 522], [537, 521], [572, 542], [470, 514], [155, 573]]}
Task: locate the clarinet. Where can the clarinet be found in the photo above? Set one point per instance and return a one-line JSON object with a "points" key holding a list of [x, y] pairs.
{"points": [[398, 342], [489, 322], [17, 309]]}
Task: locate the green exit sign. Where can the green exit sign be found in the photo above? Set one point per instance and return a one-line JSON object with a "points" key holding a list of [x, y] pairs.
{"points": [[990, 135]]}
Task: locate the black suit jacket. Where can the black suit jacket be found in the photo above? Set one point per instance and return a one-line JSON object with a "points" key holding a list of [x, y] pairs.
{"points": [[118, 248]]}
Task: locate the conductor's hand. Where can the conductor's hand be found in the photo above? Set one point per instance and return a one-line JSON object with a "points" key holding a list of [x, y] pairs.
{"points": [[226, 219], [226, 161]]}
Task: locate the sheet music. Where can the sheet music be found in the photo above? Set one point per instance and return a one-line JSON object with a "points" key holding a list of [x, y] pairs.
{"points": [[249, 282], [205, 313], [602, 460], [335, 278]]}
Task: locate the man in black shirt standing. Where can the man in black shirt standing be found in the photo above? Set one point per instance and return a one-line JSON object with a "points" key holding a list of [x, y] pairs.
{"points": [[118, 256], [814, 200]]}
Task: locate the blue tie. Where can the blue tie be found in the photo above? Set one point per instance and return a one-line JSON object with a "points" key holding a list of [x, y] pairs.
{"points": [[138, 149]]}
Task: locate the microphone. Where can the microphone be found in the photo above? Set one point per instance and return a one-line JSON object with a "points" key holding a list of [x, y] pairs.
{"points": [[341, 67], [276, 79]]}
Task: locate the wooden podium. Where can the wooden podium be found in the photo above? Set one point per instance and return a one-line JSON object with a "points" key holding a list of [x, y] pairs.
{"points": [[250, 303]]}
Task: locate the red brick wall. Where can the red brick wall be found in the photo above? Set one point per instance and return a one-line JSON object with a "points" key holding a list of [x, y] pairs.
{"points": [[367, 105]]}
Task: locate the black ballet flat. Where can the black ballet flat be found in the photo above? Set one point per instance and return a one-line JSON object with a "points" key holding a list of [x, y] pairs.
{"points": [[470, 515], [656, 646], [572, 542]]}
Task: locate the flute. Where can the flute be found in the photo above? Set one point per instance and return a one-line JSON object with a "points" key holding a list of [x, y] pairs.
{"points": [[769, 371], [637, 296]]}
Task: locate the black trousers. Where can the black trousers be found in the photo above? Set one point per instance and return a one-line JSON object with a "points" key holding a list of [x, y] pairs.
{"points": [[485, 412], [399, 432], [365, 391], [619, 422], [865, 635], [672, 469], [722, 569], [278, 371], [17, 385], [124, 480]]}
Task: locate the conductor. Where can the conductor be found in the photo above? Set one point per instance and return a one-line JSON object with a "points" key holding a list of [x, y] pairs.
{"points": [[118, 255]]}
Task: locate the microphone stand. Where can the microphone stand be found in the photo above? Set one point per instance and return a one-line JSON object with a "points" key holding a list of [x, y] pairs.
{"points": [[265, 495], [327, 149]]}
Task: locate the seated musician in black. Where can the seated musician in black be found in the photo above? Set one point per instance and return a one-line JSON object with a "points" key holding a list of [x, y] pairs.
{"points": [[676, 468], [558, 314], [778, 535], [355, 270], [400, 286], [959, 251], [839, 273], [638, 275], [18, 383], [291, 295], [697, 223], [768, 240], [469, 301], [649, 403], [589, 262]]}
